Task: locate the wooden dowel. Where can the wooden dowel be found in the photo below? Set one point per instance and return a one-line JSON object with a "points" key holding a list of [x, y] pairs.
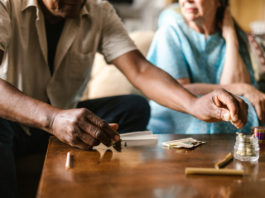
{"points": [[68, 162], [228, 158], [213, 171]]}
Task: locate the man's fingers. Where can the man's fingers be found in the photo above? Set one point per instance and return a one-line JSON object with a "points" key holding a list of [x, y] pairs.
{"points": [[242, 114], [104, 126], [88, 139], [217, 101], [230, 103], [114, 126], [258, 108], [263, 110], [231, 108], [114, 136], [96, 133], [82, 129], [225, 115]]}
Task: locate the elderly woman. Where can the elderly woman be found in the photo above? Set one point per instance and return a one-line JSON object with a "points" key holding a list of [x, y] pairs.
{"points": [[201, 46]]}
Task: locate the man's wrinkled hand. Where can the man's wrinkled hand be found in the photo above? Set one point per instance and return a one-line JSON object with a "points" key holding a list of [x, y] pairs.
{"points": [[221, 105], [82, 129]]}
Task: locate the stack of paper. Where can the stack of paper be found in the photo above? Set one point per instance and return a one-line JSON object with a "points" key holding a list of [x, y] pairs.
{"points": [[183, 143], [138, 138]]}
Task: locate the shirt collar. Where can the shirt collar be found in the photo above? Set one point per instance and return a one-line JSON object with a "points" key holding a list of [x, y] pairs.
{"points": [[33, 3], [84, 10]]}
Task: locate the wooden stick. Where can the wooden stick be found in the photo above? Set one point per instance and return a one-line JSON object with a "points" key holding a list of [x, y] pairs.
{"points": [[68, 162], [213, 171], [228, 158]]}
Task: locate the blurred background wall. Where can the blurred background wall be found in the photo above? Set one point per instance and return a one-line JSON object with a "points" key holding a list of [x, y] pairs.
{"points": [[139, 14], [143, 14], [246, 12]]}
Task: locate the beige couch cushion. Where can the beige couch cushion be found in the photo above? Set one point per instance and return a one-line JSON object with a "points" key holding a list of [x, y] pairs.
{"points": [[107, 80]]}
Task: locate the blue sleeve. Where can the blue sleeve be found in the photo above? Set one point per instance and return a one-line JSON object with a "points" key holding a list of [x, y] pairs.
{"points": [[169, 15], [166, 53]]}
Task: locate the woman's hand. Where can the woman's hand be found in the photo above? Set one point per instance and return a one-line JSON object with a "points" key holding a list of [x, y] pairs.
{"points": [[228, 26], [257, 99]]}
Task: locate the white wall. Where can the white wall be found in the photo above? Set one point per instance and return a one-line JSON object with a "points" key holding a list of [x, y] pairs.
{"points": [[142, 15]]}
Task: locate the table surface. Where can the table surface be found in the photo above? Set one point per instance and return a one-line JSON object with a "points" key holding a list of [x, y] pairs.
{"points": [[148, 171]]}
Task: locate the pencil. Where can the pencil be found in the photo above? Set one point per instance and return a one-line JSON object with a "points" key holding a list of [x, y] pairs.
{"points": [[228, 158], [213, 171], [68, 162]]}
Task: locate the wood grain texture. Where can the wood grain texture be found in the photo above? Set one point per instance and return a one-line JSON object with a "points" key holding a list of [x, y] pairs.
{"points": [[148, 171]]}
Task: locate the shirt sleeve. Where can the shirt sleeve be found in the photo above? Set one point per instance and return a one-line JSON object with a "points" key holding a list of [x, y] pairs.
{"points": [[165, 52], [170, 15], [5, 24], [115, 40]]}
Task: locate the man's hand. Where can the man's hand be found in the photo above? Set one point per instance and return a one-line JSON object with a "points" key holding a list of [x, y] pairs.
{"points": [[221, 105], [82, 129]]}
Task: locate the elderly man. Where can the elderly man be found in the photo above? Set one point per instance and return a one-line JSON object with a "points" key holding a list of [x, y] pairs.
{"points": [[46, 51]]}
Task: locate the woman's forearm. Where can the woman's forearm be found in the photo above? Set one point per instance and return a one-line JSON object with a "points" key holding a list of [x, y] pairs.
{"points": [[234, 69], [203, 88]]}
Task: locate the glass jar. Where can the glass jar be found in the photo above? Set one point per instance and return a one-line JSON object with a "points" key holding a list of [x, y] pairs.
{"points": [[246, 148]]}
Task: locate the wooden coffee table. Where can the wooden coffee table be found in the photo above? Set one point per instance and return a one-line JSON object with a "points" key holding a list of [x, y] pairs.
{"points": [[148, 171]]}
